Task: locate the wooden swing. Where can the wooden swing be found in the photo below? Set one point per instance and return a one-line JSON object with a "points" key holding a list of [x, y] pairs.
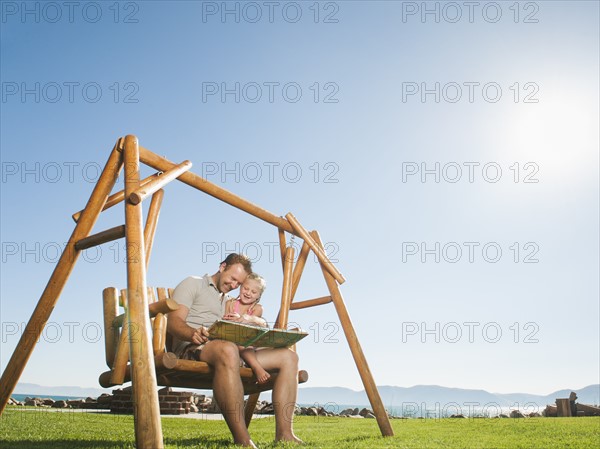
{"points": [[144, 344]]}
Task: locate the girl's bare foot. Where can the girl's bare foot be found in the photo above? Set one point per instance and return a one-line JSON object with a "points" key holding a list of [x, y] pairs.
{"points": [[261, 375]]}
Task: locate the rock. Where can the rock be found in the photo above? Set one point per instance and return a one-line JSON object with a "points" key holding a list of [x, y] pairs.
{"points": [[104, 399], [516, 414], [322, 412], [346, 412], [355, 412], [75, 403], [502, 415], [535, 415], [369, 415], [198, 398], [267, 409], [212, 408], [33, 402], [355, 416], [457, 416], [47, 401], [312, 411], [364, 412], [59, 404]]}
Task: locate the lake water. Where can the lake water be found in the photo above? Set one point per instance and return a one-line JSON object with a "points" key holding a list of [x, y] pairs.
{"points": [[407, 409], [21, 397]]}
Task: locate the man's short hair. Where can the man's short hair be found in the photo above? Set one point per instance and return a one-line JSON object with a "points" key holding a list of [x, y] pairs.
{"points": [[234, 258]]}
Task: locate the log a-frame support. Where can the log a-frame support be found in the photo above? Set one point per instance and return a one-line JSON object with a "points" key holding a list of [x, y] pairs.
{"points": [[127, 153]]}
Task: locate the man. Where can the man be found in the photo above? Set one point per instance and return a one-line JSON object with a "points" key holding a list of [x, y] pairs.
{"points": [[201, 302]]}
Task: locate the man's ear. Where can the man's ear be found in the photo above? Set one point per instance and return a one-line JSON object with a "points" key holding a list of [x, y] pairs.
{"points": [[222, 267]]}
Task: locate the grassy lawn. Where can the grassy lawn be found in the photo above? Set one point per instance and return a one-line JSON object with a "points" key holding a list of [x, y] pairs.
{"points": [[33, 429]]}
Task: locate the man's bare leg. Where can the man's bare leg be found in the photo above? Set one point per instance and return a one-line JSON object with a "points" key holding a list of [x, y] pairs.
{"points": [[228, 391], [285, 390]]}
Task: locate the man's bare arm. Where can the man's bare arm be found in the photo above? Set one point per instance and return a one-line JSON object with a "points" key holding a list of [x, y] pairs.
{"points": [[177, 326]]}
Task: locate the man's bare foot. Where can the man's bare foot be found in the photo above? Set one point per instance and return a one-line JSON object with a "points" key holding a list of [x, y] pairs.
{"points": [[289, 438], [261, 375], [249, 443]]}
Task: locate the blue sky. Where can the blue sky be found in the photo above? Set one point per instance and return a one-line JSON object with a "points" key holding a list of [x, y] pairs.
{"points": [[447, 155]]}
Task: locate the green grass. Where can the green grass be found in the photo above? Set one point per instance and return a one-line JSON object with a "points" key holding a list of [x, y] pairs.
{"points": [[34, 429]]}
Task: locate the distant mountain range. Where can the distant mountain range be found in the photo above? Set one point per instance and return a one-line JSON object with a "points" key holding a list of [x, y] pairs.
{"points": [[434, 394], [391, 396], [42, 391]]}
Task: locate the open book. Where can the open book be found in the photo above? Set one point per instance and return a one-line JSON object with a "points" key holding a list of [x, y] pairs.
{"points": [[250, 335]]}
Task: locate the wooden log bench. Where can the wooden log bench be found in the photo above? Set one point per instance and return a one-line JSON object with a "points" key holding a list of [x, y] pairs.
{"points": [[170, 370]]}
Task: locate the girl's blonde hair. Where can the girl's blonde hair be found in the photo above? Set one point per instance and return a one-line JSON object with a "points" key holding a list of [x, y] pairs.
{"points": [[258, 278]]}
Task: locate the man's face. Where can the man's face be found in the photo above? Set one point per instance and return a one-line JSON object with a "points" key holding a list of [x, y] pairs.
{"points": [[231, 277]]}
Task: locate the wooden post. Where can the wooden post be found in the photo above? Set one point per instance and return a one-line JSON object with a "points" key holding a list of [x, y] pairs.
{"points": [[144, 192], [359, 358], [146, 411], [318, 250], [159, 333], [249, 407], [160, 163], [282, 319], [119, 366], [59, 277], [151, 222], [563, 408], [110, 301], [116, 198]]}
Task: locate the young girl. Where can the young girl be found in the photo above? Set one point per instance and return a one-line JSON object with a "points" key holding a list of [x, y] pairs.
{"points": [[245, 309]]}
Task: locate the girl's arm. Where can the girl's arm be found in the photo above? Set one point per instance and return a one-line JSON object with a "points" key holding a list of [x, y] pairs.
{"points": [[256, 317]]}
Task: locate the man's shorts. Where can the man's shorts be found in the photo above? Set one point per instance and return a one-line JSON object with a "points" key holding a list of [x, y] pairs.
{"points": [[192, 352]]}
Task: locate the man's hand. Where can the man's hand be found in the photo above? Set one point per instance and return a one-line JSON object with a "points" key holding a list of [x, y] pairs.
{"points": [[200, 335]]}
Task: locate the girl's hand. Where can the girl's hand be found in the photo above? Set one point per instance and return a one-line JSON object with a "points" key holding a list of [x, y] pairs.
{"points": [[232, 316]]}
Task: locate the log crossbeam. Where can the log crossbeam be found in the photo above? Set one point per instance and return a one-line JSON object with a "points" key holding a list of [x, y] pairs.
{"points": [[118, 232]]}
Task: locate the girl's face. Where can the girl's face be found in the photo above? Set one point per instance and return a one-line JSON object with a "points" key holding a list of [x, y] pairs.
{"points": [[250, 292]]}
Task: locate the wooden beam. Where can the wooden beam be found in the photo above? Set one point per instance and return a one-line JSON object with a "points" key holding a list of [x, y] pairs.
{"points": [[116, 198], [161, 306], [299, 268], [164, 361], [146, 410], [318, 250], [59, 278], [311, 303], [118, 232], [151, 222], [160, 163], [359, 357], [282, 245], [156, 184]]}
